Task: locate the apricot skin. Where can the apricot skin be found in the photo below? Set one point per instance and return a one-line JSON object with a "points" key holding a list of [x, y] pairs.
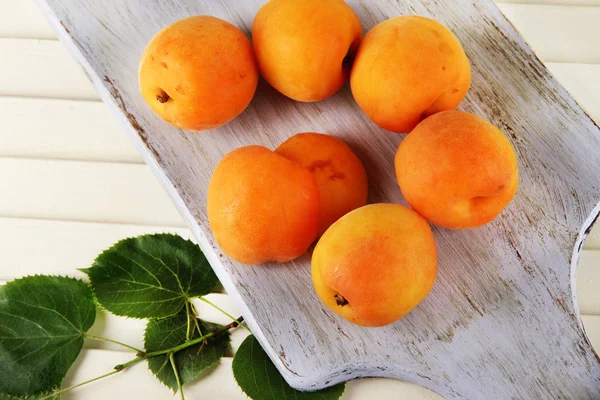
{"points": [[339, 173], [408, 68], [301, 46], [262, 207], [380, 259], [198, 73], [457, 170]]}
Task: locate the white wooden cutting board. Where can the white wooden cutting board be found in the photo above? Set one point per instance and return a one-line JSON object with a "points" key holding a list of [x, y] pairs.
{"points": [[501, 321]]}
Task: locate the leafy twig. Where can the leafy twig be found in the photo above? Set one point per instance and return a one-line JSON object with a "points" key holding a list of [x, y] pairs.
{"points": [[139, 358], [112, 341], [189, 321], [196, 316], [190, 343], [116, 370], [172, 359], [210, 303]]}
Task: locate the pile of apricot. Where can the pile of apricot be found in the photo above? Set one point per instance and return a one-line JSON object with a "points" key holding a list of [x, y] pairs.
{"points": [[372, 264]]}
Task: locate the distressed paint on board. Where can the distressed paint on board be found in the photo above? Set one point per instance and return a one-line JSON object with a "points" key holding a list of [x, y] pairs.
{"points": [[501, 321]]}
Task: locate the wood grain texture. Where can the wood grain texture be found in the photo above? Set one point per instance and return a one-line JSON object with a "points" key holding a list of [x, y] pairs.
{"points": [[21, 19], [54, 247], [86, 130], [84, 191], [501, 321], [554, 2], [552, 37], [37, 67], [62, 129], [30, 246], [581, 80], [588, 283], [217, 384]]}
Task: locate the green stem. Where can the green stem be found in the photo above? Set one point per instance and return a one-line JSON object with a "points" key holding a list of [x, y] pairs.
{"points": [[210, 303], [143, 356], [112, 341], [121, 367], [185, 345], [189, 321], [172, 359], [116, 370], [196, 316]]}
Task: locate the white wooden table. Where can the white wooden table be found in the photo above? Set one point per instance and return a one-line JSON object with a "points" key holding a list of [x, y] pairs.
{"points": [[71, 184]]}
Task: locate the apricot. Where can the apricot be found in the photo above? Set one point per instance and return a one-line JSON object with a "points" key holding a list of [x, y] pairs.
{"points": [[198, 73], [457, 170], [408, 68], [262, 207], [305, 48], [375, 264], [339, 173]]}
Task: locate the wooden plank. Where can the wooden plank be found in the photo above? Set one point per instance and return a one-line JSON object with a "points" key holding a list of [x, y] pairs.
{"points": [[512, 276], [558, 33], [537, 22], [138, 383], [593, 240], [583, 82], [22, 19], [30, 246], [553, 2], [44, 69], [592, 329], [83, 130], [41, 68], [84, 191], [131, 331], [588, 282], [62, 129]]}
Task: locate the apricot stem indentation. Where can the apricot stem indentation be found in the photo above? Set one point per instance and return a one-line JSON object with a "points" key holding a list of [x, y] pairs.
{"points": [[340, 300], [162, 96]]}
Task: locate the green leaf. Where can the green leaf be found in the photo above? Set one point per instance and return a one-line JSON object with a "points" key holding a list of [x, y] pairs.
{"points": [[260, 380], [150, 276], [42, 323], [44, 396], [166, 333]]}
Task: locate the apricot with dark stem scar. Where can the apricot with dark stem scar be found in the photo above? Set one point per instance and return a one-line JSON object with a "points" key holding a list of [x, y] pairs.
{"points": [[162, 96], [211, 59], [382, 257], [340, 300]]}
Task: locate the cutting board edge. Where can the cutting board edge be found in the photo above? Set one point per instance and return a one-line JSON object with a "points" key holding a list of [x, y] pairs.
{"points": [[296, 381]]}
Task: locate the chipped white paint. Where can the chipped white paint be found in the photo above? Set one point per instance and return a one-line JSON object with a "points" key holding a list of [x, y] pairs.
{"points": [[501, 321]]}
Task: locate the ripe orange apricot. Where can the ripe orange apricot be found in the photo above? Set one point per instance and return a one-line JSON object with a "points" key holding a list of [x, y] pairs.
{"points": [[198, 73], [304, 48], [375, 264], [339, 173], [262, 207], [457, 170], [408, 68]]}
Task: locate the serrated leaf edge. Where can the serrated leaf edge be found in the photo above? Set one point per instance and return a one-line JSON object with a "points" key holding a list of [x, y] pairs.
{"points": [[47, 276], [86, 270]]}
